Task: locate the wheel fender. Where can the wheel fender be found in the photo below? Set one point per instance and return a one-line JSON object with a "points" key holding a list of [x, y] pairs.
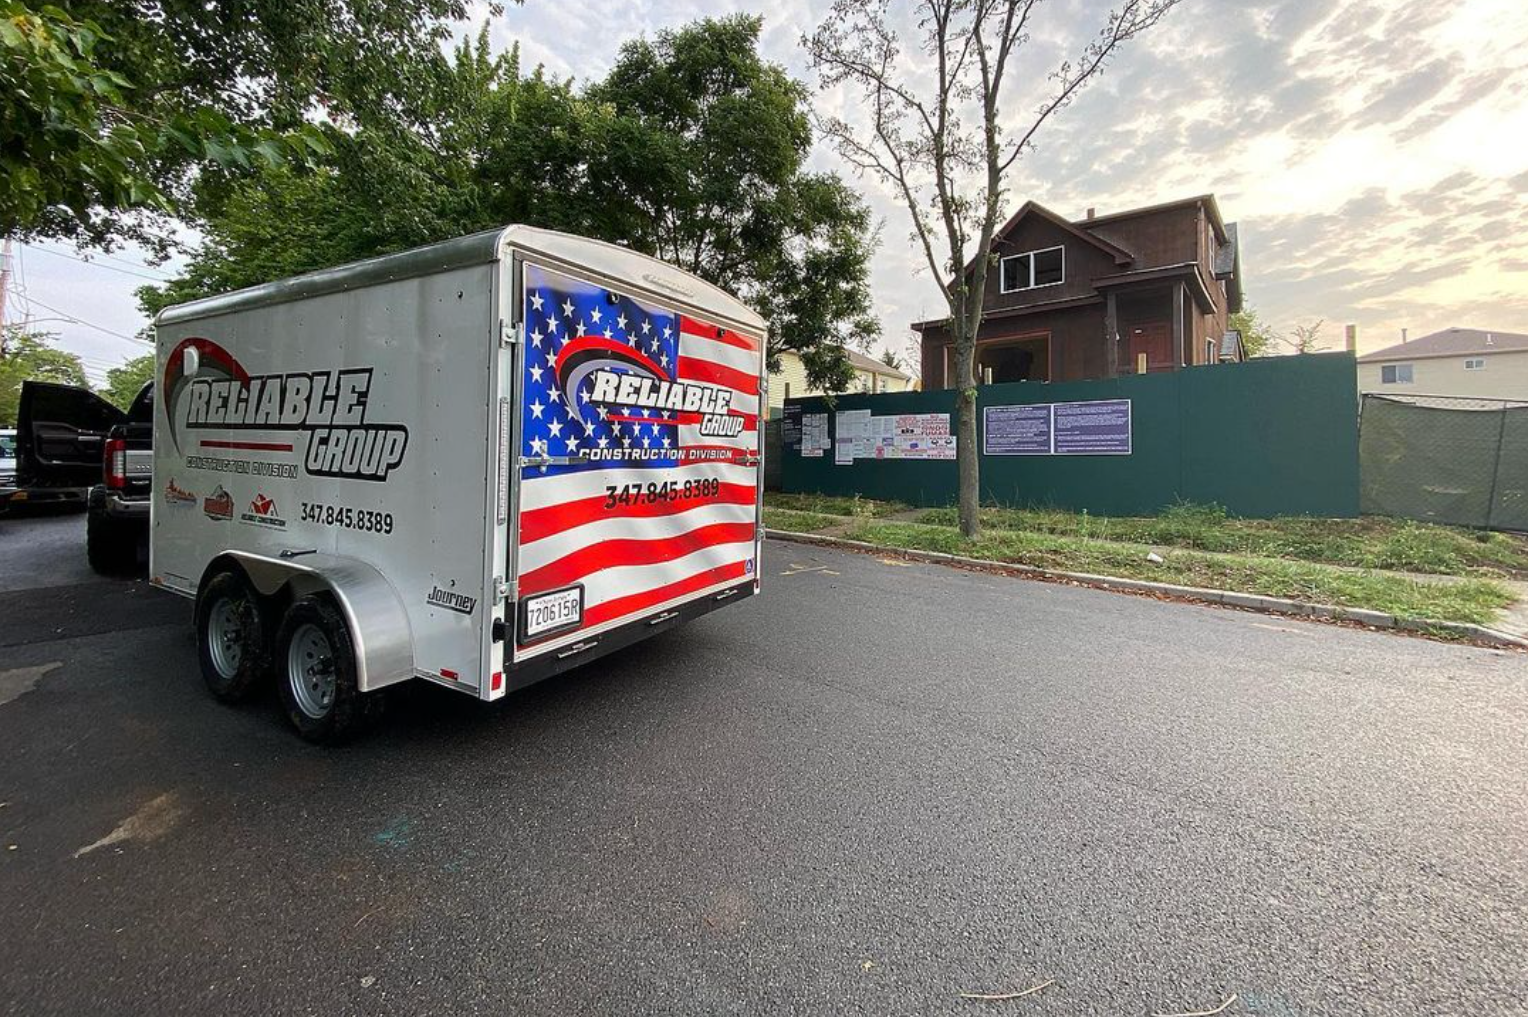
{"points": [[379, 624]]}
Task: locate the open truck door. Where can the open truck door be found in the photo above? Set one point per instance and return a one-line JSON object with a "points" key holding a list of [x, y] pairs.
{"points": [[638, 458], [60, 435]]}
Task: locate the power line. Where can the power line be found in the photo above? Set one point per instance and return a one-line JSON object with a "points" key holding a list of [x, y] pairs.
{"points": [[90, 324], [108, 257], [109, 268]]}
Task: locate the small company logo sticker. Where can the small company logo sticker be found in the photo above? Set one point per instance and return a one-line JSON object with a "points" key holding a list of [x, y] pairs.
{"points": [[451, 600], [174, 494], [218, 505], [262, 512]]}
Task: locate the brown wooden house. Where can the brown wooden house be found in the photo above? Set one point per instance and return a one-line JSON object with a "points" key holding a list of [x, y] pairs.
{"points": [[1145, 290]]}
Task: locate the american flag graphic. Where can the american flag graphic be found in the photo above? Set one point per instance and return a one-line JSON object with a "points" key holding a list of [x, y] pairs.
{"points": [[632, 488]]}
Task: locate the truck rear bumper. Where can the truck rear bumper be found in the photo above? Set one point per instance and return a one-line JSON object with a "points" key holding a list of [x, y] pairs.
{"points": [[131, 508]]}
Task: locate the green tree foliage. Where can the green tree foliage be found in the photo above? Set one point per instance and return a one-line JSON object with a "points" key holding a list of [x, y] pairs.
{"points": [[123, 383], [692, 149], [1258, 337], [109, 108], [30, 356], [704, 166], [477, 145]]}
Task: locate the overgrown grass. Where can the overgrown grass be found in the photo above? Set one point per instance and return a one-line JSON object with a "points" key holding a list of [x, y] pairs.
{"points": [[798, 522], [1371, 542], [860, 508], [1469, 600]]}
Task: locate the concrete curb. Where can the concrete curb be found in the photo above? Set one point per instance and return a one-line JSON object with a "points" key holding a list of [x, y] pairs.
{"points": [[1246, 601]]}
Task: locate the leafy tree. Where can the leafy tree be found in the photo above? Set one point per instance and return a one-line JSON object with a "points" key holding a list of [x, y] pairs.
{"points": [[1257, 335], [891, 360], [934, 131], [478, 145], [123, 383], [704, 166], [693, 150], [109, 108], [30, 356]]}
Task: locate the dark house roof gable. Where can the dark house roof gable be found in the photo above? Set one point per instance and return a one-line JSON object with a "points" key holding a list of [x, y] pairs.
{"points": [[1121, 256], [1211, 208]]}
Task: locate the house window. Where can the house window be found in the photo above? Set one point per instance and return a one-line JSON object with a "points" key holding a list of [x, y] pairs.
{"points": [[787, 390], [1033, 269], [1395, 374], [1209, 351], [1475, 364]]}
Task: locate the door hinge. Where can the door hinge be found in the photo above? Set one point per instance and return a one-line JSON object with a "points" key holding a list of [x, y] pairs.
{"points": [[502, 590], [509, 335]]}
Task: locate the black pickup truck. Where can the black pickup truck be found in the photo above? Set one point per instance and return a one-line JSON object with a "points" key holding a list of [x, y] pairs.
{"points": [[69, 440]]}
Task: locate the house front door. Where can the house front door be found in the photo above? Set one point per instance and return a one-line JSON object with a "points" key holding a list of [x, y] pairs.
{"points": [[1155, 340]]}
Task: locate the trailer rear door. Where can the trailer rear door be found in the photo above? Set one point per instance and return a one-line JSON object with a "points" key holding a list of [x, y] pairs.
{"points": [[639, 459]]}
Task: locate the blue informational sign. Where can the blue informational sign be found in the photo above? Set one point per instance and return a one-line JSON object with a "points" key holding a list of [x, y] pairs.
{"points": [[1092, 429], [1017, 430], [1100, 428]]}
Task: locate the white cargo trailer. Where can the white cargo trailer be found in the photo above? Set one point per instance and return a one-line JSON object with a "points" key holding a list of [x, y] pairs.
{"points": [[478, 463]]}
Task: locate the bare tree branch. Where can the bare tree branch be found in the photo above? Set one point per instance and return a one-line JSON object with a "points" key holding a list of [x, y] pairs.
{"points": [[919, 143]]}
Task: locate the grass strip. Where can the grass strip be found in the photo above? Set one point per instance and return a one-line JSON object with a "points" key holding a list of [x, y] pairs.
{"points": [[1469, 600], [799, 522], [1371, 542], [859, 508]]}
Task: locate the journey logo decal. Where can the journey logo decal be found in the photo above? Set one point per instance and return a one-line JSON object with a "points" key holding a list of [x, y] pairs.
{"points": [[329, 406], [262, 512], [451, 600], [218, 505]]}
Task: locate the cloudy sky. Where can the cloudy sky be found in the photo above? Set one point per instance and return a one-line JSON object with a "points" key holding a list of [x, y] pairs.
{"points": [[1374, 151]]}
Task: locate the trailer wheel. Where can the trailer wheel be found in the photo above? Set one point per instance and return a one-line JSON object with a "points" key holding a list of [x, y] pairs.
{"points": [[315, 664], [230, 637], [111, 546]]}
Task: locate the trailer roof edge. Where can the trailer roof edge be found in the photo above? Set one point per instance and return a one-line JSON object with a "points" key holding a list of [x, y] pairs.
{"points": [[460, 252]]}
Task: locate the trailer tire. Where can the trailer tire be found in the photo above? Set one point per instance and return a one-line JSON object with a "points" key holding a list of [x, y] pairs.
{"points": [[317, 675], [231, 640], [111, 546]]}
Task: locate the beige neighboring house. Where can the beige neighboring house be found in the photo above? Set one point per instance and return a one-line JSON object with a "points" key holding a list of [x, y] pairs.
{"points": [[1454, 362], [870, 375]]}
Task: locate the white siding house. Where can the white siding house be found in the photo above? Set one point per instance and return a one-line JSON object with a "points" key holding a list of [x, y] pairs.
{"points": [[870, 375], [1454, 362]]}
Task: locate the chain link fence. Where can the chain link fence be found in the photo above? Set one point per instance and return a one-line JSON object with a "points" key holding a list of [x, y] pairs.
{"points": [[1445, 459]]}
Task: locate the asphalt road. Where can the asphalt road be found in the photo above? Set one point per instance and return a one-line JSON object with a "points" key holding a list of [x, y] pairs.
{"points": [[870, 789]]}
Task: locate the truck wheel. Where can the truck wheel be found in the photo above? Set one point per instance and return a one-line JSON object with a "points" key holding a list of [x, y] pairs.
{"points": [[316, 669], [110, 547], [230, 637]]}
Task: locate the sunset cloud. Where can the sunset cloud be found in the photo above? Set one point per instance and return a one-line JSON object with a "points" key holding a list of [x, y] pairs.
{"points": [[1375, 152]]}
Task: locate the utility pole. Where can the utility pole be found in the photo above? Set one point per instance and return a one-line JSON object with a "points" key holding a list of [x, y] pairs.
{"points": [[5, 277]]}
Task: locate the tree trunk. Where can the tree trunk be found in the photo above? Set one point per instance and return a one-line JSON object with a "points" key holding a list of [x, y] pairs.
{"points": [[967, 463]]}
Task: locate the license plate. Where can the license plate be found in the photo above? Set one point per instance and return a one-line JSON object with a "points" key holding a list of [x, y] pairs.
{"points": [[548, 612]]}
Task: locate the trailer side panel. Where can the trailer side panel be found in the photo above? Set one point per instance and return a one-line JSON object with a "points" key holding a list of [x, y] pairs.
{"points": [[350, 423]]}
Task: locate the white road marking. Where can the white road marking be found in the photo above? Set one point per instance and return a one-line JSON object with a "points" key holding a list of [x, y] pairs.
{"points": [[149, 823], [19, 681]]}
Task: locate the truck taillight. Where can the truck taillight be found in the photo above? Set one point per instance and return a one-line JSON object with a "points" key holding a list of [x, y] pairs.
{"points": [[116, 464]]}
